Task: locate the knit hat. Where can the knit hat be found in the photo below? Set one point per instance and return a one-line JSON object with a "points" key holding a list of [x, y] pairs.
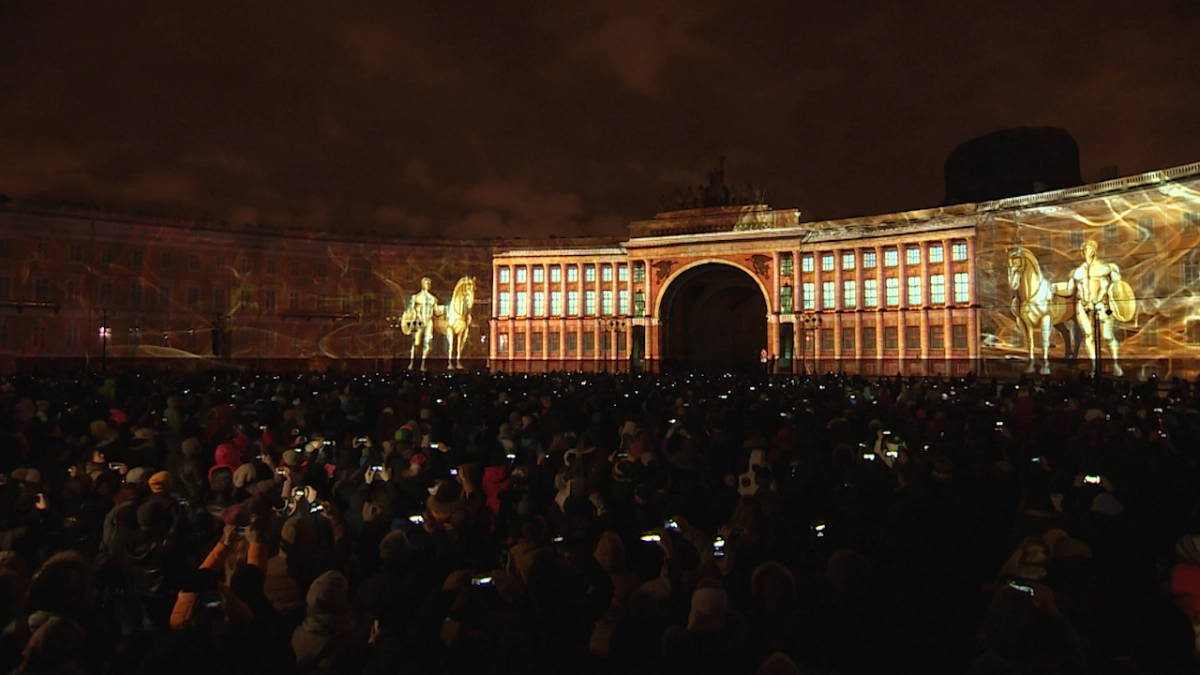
{"points": [[291, 458], [329, 613], [709, 604], [191, 447], [1187, 548], [394, 547], [298, 534], [244, 475], [329, 594], [137, 475], [1107, 505], [238, 514], [160, 482]]}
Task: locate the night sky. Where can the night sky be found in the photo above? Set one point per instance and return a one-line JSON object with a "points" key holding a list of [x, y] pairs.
{"points": [[530, 117]]}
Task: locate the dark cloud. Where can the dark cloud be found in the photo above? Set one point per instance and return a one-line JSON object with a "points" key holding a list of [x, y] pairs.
{"points": [[533, 117]]}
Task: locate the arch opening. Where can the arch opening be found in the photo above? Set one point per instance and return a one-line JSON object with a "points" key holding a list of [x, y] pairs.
{"points": [[713, 318]]}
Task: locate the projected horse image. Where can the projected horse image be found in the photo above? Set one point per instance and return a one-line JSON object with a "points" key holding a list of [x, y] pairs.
{"points": [[455, 321], [1038, 302]]}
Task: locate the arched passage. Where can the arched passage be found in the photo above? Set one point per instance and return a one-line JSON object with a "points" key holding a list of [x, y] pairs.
{"points": [[712, 317]]}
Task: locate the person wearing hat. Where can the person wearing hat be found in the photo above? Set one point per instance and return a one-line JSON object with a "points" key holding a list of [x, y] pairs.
{"points": [[716, 638]]}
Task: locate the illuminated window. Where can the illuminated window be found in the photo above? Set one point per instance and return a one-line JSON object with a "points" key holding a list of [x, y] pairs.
{"points": [[785, 299], [623, 273], [555, 274], [106, 255], [847, 261], [912, 337], [606, 273], [639, 273], [827, 262], [75, 253], [827, 339], [504, 275], [539, 274], [220, 299], [891, 257], [935, 253], [554, 344], [868, 338], [135, 295], [521, 275], [828, 295], [806, 263], [785, 264], [293, 300], [808, 295], [505, 306], [193, 296], [870, 292], [589, 303], [914, 291], [958, 250], [891, 291], [271, 266], [556, 303], [847, 339], [573, 303], [937, 338], [572, 274], [639, 304], [958, 336], [849, 294], [136, 257], [623, 302], [1145, 229], [535, 343], [269, 301], [502, 344], [868, 260], [937, 289], [519, 343], [164, 260], [606, 303], [962, 288], [539, 303], [912, 256], [522, 303], [589, 273], [572, 343], [1191, 272]]}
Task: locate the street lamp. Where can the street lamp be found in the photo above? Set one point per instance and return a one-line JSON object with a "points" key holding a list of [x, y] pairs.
{"points": [[135, 338], [1094, 315], [105, 334], [809, 325], [395, 324], [615, 327]]}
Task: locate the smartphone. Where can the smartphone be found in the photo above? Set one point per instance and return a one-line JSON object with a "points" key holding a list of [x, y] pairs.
{"points": [[511, 456], [670, 524], [211, 600], [114, 466], [819, 530], [1028, 590], [886, 433], [1092, 480], [869, 456], [482, 580], [892, 454], [378, 468], [435, 446], [417, 519], [316, 508], [454, 472], [1037, 460], [718, 547], [363, 439], [327, 442], [241, 533], [280, 470], [558, 539], [999, 424], [651, 537]]}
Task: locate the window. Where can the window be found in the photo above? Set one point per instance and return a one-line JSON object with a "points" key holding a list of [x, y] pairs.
{"points": [[504, 275], [962, 288], [870, 292], [366, 270], [387, 273], [521, 278], [891, 291], [785, 299], [622, 272], [368, 303], [1191, 219], [1148, 283], [826, 339], [505, 306], [244, 300], [75, 253], [539, 303], [891, 257], [1045, 241], [269, 301], [639, 273], [322, 271], [847, 340], [164, 297], [606, 303], [72, 336], [1111, 234], [502, 344], [937, 339], [937, 289], [1145, 229], [847, 261], [556, 303], [827, 262], [164, 260], [572, 343], [319, 302], [43, 250], [72, 290], [5, 288], [589, 303], [606, 273], [868, 260], [828, 295], [387, 304], [1148, 335], [271, 267], [573, 303], [136, 257], [785, 264], [193, 261], [294, 268], [958, 250], [106, 255], [245, 264], [135, 296], [220, 299], [589, 343], [622, 348], [912, 256], [193, 297], [554, 343], [106, 295], [555, 274], [912, 337], [535, 343], [849, 294], [539, 274], [572, 274], [914, 291], [639, 304], [935, 253], [623, 302], [806, 263], [519, 342], [293, 300], [958, 336], [6, 248], [589, 275], [808, 294], [41, 290], [522, 303], [868, 338], [1191, 272]]}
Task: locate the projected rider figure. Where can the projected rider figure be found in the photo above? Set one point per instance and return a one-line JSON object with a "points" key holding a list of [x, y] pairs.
{"points": [[1100, 296], [418, 320]]}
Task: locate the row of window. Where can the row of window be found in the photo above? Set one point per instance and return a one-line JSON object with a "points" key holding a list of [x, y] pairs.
{"points": [[868, 259], [891, 338], [915, 291], [611, 304], [522, 273], [553, 343]]}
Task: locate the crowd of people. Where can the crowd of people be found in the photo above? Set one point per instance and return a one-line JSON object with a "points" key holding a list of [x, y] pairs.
{"points": [[595, 523]]}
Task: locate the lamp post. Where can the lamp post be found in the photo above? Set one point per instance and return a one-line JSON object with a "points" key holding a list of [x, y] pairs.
{"points": [[1094, 316], [809, 325], [135, 338], [393, 323], [613, 326], [105, 334]]}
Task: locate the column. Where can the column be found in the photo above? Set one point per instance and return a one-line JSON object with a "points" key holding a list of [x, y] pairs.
{"points": [[924, 270], [819, 308]]}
